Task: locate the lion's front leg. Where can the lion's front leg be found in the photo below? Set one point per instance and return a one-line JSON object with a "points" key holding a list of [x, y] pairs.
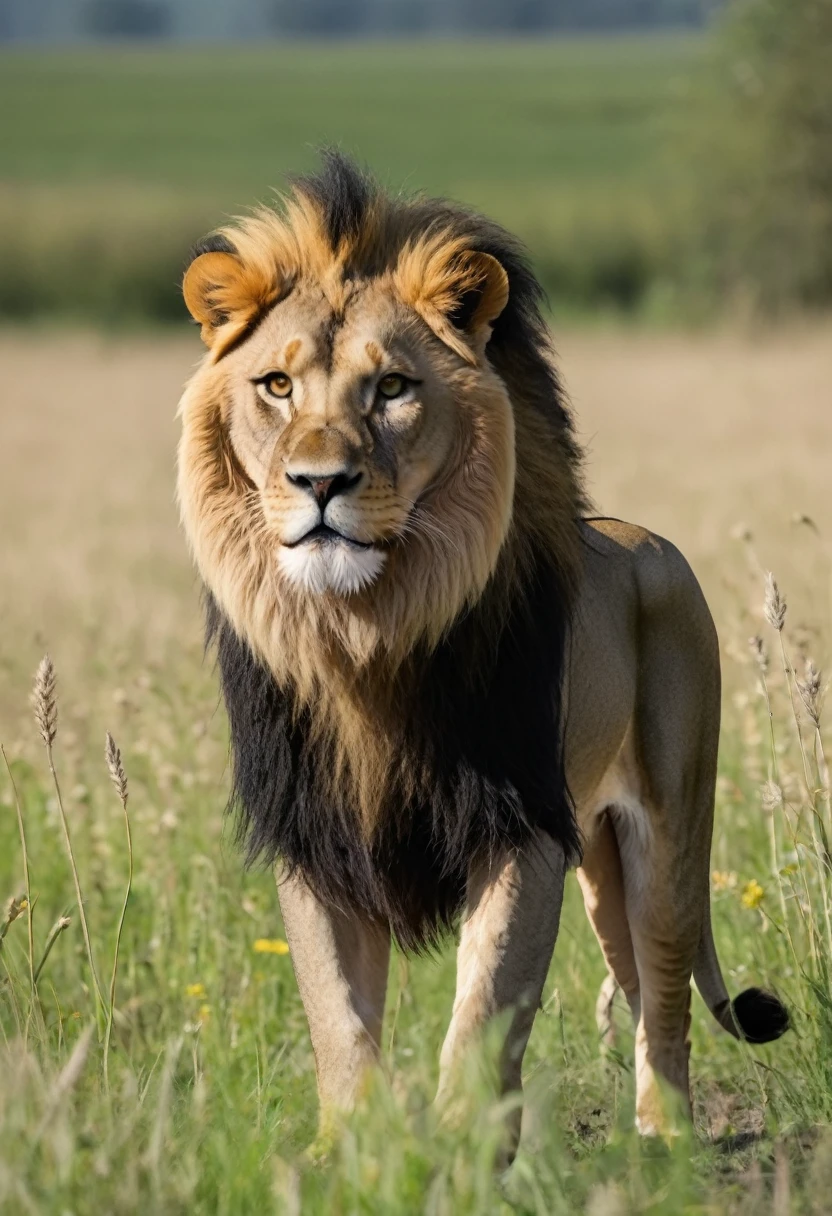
{"points": [[508, 935], [341, 963]]}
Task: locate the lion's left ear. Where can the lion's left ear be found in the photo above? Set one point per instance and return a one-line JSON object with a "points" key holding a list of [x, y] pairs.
{"points": [[481, 295], [225, 296], [460, 292]]}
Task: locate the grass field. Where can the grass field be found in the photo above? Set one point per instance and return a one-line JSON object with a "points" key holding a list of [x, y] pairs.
{"points": [[718, 442], [113, 162]]}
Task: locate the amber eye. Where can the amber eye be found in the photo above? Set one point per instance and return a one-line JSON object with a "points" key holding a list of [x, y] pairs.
{"points": [[277, 384], [392, 386]]}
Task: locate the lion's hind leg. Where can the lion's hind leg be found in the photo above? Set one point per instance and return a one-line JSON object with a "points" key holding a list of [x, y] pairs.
{"points": [[664, 918], [602, 884], [649, 939], [665, 837]]}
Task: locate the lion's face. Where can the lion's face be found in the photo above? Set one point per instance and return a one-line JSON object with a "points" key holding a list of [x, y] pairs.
{"points": [[344, 425], [373, 440]]}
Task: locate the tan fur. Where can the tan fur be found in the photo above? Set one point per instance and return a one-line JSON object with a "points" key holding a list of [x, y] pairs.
{"points": [[642, 731], [466, 506], [481, 478]]}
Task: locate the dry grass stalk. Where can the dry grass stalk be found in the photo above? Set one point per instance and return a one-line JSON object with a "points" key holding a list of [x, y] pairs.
{"points": [[61, 924], [68, 1078], [774, 605], [26, 879], [781, 1198], [774, 608], [773, 782], [46, 714], [811, 694], [45, 701], [158, 1136], [758, 650], [115, 767]]}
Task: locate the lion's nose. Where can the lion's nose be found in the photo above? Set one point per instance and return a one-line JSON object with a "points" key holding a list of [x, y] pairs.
{"points": [[324, 488]]}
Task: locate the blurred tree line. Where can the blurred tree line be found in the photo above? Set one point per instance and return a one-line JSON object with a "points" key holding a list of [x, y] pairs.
{"points": [[761, 158], [749, 225], [56, 20]]}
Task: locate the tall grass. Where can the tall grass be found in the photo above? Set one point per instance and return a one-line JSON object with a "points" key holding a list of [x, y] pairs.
{"points": [[199, 1094]]}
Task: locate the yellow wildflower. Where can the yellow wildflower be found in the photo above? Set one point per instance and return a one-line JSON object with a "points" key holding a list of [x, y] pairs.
{"points": [[205, 1012], [195, 990], [752, 894], [271, 945]]}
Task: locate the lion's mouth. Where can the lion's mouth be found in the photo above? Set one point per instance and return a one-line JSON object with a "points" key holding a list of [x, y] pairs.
{"points": [[326, 535]]}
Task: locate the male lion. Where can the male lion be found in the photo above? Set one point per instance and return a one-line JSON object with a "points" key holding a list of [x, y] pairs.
{"points": [[445, 681]]}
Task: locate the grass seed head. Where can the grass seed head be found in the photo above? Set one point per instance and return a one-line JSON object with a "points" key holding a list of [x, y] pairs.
{"points": [[12, 910], [45, 701], [809, 689], [112, 754], [774, 605], [771, 797]]}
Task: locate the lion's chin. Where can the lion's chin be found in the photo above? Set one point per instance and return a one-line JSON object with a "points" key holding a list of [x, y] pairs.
{"points": [[335, 566]]}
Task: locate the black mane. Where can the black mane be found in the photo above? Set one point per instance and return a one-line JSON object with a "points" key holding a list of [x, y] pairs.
{"points": [[483, 724]]}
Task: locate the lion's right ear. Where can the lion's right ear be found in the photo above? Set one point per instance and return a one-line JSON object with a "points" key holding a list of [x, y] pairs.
{"points": [[225, 296]]}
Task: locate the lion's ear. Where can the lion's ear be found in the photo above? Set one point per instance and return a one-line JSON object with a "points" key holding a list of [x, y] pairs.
{"points": [[482, 293], [460, 292], [226, 297]]}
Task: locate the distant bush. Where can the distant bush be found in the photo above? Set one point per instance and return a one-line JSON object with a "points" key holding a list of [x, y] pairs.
{"points": [[117, 160], [761, 155], [106, 259], [114, 256]]}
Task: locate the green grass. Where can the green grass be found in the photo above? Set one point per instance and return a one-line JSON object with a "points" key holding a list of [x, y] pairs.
{"points": [[114, 160], [470, 118], [212, 1099]]}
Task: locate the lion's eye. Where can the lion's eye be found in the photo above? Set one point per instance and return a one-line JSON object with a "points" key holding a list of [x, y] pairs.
{"points": [[277, 384], [392, 386]]}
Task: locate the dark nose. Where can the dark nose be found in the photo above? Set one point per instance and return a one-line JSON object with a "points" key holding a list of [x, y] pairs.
{"points": [[324, 489]]}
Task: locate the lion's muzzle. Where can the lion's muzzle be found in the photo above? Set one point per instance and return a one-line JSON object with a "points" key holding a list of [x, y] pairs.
{"points": [[320, 551]]}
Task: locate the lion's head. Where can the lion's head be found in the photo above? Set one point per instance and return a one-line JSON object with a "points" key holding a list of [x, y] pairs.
{"points": [[379, 483], [351, 440]]}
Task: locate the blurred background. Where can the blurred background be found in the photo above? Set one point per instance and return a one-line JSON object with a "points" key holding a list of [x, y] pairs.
{"points": [[663, 159]]}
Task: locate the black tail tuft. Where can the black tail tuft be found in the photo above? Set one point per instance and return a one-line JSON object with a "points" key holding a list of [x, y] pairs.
{"points": [[759, 1015]]}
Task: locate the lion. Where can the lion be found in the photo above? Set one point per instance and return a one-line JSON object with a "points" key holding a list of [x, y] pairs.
{"points": [[447, 681]]}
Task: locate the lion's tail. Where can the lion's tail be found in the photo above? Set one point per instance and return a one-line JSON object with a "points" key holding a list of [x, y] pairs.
{"points": [[755, 1015]]}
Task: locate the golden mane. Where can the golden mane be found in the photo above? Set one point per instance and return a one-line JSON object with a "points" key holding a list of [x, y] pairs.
{"points": [[350, 664]]}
